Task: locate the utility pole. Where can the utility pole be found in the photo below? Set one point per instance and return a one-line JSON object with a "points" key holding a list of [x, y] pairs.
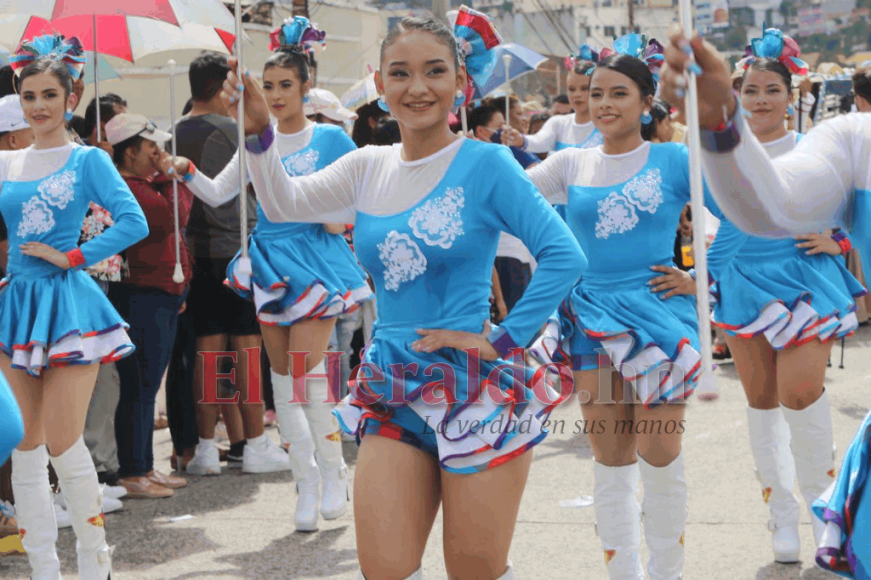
{"points": [[631, 15]]}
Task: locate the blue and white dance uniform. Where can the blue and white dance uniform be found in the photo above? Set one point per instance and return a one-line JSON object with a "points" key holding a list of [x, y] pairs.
{"points": [[11, 422], [561, 132], [624, 210], [299, 270], [50, 317], [771, 287], [427, 232]]}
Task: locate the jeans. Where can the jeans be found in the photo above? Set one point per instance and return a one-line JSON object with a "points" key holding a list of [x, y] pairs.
{"points": [[153, 317], [180, 405]]}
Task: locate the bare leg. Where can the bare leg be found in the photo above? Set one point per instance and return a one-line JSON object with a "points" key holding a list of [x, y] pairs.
{"points": [[398, 479], [207, 414], [480, 516], [252, 413]]}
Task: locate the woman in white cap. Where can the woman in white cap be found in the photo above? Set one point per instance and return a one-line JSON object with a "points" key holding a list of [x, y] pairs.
{"points": [[303, 276], [325, 107], [148, 299], [56, 326]]}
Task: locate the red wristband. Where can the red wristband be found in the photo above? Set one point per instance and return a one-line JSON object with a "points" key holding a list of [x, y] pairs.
{"points": [[843, 242], [76, 258]]}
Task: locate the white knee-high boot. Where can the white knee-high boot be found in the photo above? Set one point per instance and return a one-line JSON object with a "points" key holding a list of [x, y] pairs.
{"points": [[665, 513], [328, 441], [775, 468], [618, 520], [813, 449], [294, 428], [84, 499], [34, 510]]}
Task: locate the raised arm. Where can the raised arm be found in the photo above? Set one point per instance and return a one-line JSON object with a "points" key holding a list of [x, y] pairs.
{"points": [[221, 189], [552, 176], [514, 205], [545, 140], [326, 196], [804, 190]]}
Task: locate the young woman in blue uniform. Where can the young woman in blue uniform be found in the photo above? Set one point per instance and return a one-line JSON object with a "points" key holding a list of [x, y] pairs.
{"points": [[56, 325], [623, 201], [427, 221], [303, 276], [782, 303]]}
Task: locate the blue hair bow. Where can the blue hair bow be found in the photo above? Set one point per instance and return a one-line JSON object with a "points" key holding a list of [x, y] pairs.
{"points": [[297, 32], [53, 46], [476, 36]]}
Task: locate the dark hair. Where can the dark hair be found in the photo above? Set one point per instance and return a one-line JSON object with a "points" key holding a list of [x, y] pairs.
{"points": [[771, 65], [499, 103], [108, 102], [481, 116], [386, 132], [660, 112], [50, 66], [187, 107], [561, 99], [423, 24], [633, 68], [7, 85], [207, 73], [537, 118], [582, 66], [862, 82], [362, 132], [119, 149], [288, 58]]}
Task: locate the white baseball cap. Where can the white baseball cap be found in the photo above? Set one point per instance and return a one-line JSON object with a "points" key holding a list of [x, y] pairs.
{"points": [[127, 125], [327, 104], [11, 114]]}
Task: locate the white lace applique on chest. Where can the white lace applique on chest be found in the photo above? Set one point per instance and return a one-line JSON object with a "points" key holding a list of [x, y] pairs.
{"points": [[617, 212], [402, 258], [56, 190], [303, 163], [439, 221]]}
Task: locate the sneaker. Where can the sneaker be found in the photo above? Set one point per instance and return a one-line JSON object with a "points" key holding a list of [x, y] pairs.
{"points": [[205, 461], [113, 491], [266, 457], [110, 504]]}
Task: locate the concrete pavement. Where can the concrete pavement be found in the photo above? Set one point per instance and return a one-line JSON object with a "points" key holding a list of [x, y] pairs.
{"points": [[241, 526]]}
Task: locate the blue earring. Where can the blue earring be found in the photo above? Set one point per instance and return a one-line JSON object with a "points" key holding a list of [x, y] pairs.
{"points": [[68, 115], [646, 119], [382, 104], [460, 99], [790, 110], [305, 100]]}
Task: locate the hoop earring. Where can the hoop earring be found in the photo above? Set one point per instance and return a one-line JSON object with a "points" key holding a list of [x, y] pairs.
{"points": [[460, 99], [382, 104], [646, 119]]}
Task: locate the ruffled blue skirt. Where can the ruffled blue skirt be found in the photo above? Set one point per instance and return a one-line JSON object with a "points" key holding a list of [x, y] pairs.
{"points": [[474, 415], [791, 300], [300, 272], [59, 320], [617, 320], [845, 548]]}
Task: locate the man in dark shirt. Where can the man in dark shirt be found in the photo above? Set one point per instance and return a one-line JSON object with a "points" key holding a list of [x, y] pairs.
{"points": [[220, 319]]}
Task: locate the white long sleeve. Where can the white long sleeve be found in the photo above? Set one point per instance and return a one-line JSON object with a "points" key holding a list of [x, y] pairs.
{"points": [[545, 140], [326, 196], [807, 189], [221, 189], [553, 175]]}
